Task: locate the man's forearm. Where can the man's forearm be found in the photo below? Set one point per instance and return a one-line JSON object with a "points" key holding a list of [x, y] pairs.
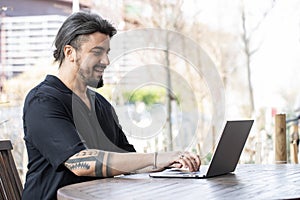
{"points": [[89, 163], [98, 163]]}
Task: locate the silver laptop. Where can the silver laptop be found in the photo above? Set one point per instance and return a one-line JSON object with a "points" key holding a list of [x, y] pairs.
{"points": [[226, 155]]}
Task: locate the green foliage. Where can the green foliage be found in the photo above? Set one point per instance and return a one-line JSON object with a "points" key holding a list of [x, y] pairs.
{"points": [[149, 95], [206, 159]]}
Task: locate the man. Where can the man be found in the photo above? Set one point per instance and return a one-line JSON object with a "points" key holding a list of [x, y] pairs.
{"points": [[72, 133]]}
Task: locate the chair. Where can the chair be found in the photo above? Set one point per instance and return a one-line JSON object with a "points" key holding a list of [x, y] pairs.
{"points": [[10, 182]]}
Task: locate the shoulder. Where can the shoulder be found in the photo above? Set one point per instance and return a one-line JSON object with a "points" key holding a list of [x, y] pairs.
{"points": [[50, 90]]}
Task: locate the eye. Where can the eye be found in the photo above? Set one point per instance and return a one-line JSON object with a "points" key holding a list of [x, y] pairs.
{"points": [[98, 52]]}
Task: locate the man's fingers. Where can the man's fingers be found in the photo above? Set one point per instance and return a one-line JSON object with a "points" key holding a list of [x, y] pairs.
{"points": [[190, 161]]}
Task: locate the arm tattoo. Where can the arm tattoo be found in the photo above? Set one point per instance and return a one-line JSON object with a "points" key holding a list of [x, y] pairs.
{"points": [[99, 164], [108, 164], [79, 163], [84, 160]]}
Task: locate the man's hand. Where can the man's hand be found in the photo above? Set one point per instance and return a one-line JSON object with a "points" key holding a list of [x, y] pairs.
{"points": [[187, 160]]}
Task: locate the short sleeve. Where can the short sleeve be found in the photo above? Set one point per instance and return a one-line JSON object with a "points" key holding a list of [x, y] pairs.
{"points": [[50, 129]]}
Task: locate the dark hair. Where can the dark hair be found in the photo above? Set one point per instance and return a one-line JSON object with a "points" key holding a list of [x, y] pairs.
{"points": [[75, 27]]}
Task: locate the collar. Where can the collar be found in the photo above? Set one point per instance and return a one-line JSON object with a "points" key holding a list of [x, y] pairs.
{"points": [[57, 83]]}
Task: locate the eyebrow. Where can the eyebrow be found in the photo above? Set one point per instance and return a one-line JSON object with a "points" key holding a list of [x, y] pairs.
{"points": [[100, 48]]}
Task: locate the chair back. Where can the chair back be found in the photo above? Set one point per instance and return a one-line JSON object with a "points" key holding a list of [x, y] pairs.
{"points": [[10, 183]]}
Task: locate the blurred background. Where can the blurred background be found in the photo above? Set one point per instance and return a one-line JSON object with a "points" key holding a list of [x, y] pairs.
{"points": [[254, 45]]}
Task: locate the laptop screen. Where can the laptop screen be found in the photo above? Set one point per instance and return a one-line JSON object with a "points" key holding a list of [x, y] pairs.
{"points": [[230, 147]]}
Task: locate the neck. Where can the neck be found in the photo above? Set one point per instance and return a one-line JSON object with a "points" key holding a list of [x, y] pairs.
{"points": [[69, 76]]}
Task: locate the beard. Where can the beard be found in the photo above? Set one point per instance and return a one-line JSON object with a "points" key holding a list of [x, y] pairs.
{"points": [[92, 82], [100, 83], [95, 83]]}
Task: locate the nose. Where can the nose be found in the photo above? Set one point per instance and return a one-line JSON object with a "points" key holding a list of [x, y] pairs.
{"points": [[105, 60]]}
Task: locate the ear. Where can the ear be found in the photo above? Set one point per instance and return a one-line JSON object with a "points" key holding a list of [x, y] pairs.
{"points": [[70, 53]]}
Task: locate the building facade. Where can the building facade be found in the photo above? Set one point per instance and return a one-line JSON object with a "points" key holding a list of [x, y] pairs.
{"points": [[28, 29]]}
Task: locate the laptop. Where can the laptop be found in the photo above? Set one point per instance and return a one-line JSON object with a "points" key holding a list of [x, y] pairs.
{"points": [[225, 157]]}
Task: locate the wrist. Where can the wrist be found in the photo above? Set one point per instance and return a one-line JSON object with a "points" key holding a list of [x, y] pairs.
{"points": [[155, 160]]}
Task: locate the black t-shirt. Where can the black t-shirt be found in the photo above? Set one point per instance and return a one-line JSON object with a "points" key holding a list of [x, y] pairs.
{"points": [[57, 125]]}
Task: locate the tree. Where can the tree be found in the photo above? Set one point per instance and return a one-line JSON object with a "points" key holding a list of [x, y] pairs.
{"points": [[249, 31], [169, 15]]}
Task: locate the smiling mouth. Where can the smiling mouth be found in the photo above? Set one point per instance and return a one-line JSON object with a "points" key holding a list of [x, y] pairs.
{"points": [[99, 70]]}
